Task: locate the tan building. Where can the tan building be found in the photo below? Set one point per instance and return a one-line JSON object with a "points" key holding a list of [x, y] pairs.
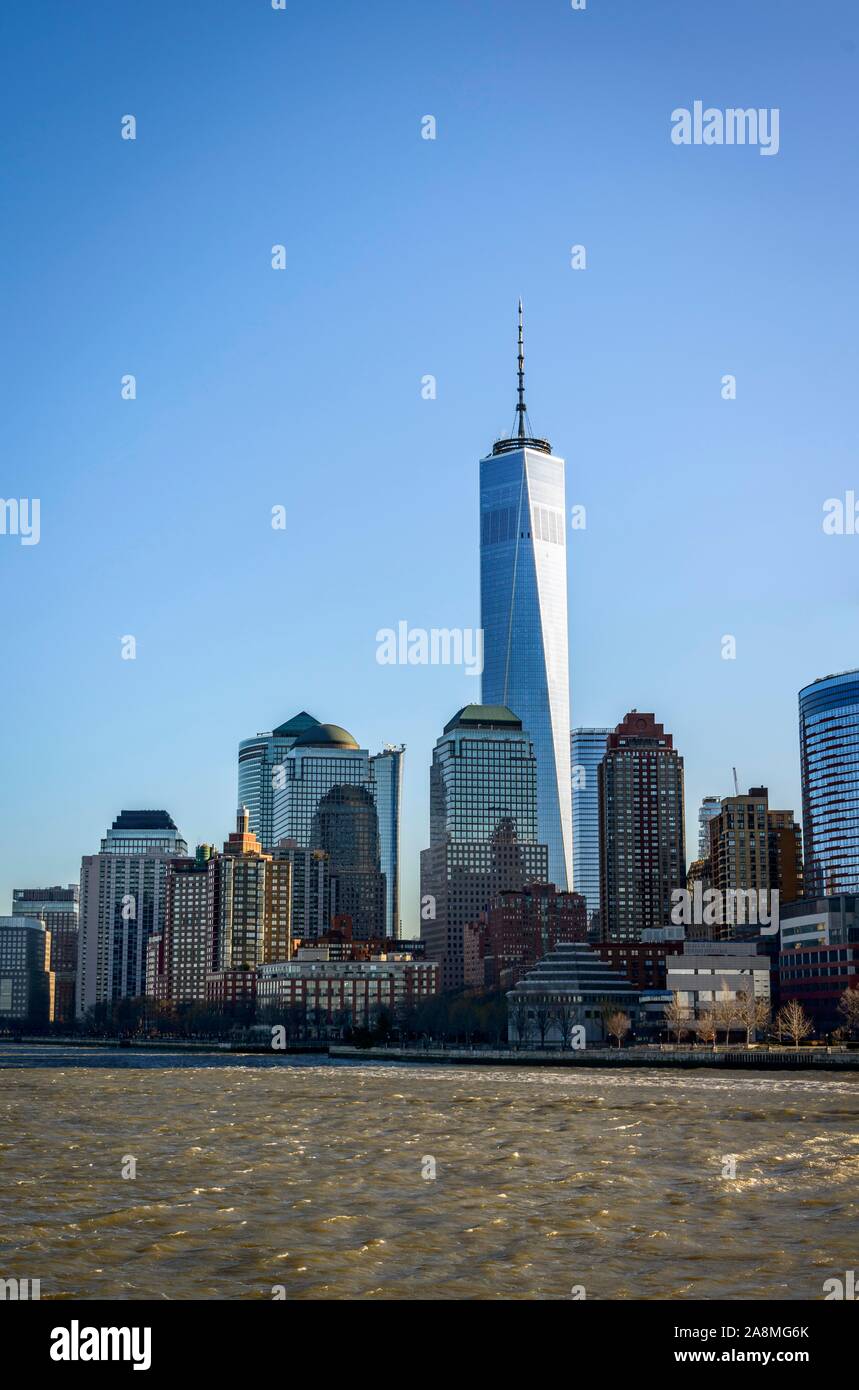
{"points": [[754, 848], [330, 996]]}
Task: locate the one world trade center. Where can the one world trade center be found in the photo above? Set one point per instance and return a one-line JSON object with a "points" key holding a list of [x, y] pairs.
{"points": [[523, 607]]}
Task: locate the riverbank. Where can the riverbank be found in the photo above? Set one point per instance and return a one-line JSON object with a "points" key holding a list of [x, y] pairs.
{"points": [[739, 1059]]}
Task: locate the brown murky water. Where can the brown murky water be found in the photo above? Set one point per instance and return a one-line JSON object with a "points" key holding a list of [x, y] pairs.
{"points": [[309, 1177]]}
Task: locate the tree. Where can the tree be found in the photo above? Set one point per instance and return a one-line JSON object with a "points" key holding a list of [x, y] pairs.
{"points": [[795, 1021], [676, 1016], [727, 1014], [566, 1016], [543, 1020], [848, 1007], [519, 1019], [707, 1028], [754, 1013], [617, 1025]]}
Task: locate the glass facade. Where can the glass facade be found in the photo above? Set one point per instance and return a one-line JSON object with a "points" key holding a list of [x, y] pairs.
{"points": [[587, 750], [711, 806], [320, 774], [829, 758], [523, 606], [261, 770], [386, 770], [483, 828]]}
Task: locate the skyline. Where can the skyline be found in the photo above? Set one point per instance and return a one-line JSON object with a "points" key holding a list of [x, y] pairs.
{"points": [[145, 529]]}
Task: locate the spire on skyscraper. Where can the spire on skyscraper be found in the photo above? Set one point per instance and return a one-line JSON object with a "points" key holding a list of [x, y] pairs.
{"points": [[521, 437]]}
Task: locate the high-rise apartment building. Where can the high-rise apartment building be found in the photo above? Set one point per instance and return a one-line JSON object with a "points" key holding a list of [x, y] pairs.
{"points": [[185, 950], [311, 890], [516, 930], [122, 904], [710, 807], [252, 903], [523, 608], [829, 761], [642, 840], [754, 849], [57, 908], [386, 770], [483, 828], [587, 750]]}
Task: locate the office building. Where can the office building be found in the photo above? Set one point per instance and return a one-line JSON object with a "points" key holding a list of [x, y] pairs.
{"points": [[819, 956], [261, 773], [316, 806], [523, 614], [26, 981], [57, 909], [569, 988], [587, 750], [829, 764], [483, 828]]}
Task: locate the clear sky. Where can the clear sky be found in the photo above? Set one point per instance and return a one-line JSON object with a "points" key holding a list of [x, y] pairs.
{"points": [[302, 387]]}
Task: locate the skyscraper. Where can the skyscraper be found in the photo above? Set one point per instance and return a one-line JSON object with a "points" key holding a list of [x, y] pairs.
{"points": [[587, 750], [642, 844], [326, 799], [57, 908], [829, 760], [752, 848], [122, 904], [523, 606], [483, 828], [260, 763], [386, 770]]}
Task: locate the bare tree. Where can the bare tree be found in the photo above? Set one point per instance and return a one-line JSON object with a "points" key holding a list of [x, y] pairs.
{"points": [[795, 1021], [727, 1011], [519, 1018], [848, 1007], [566, 1016], [707, 1028], [753, 1014], [543, 1020], [676, 1016], [617, 1025]]}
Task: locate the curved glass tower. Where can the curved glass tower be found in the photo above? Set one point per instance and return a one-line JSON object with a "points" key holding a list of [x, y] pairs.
{"points": [[829, 756], [523, 609]]}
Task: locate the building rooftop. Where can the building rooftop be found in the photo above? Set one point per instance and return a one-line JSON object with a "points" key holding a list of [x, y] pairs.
{"points": [[325, 736], [296, 725], [144, 820], [483, 717]]}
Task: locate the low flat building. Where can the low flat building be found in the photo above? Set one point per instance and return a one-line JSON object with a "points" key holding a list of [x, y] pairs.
{"points": [[26, 980], [572, 986], [331, 996], [819, 956], [708, 971]]}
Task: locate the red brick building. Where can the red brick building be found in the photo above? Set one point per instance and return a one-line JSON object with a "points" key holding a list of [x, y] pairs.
{"points": [[518, 928]]}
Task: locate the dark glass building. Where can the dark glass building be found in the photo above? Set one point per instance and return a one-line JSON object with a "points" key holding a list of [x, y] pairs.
{"points": [[483, 828], [346, 827], [829, 759]]}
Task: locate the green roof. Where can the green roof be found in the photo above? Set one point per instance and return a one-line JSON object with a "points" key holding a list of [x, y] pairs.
{"points": [[322, 735], [484, 717], [296, 725]]}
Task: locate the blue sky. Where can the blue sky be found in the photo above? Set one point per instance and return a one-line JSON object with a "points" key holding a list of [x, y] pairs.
{"points": [[302, 387]]}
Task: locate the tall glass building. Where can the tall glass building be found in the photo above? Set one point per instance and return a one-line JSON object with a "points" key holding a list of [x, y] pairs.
{"points": [[483, 828], [386, 770], [829, 759], [261, 770], [587, 750], [523, 606], [322, 764]]}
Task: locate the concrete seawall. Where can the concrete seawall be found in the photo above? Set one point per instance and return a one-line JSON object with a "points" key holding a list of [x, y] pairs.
{"points": [[750, 1059]]}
